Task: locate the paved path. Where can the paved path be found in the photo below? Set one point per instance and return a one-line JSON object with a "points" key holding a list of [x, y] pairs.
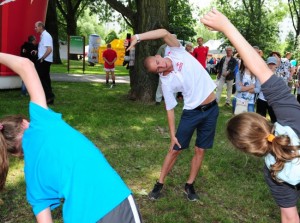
{"points": [[86, 78]]}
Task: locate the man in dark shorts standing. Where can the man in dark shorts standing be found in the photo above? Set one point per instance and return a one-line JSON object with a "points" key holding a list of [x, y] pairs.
{"points": [[181, 72]]}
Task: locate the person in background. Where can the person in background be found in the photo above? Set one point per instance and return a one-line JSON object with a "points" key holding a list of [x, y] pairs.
{"points": [[297, 84], [200, 52], [60, 162], [262, 106], [226, 69], [283, 69], [251, 133], [29, 50], [189, 47], [247, 85], [110, 56], [45, 59]]}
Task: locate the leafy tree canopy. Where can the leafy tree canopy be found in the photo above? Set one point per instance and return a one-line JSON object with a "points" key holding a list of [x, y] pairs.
{"points": [[257, 20], [181, 21], [88, 24], [290, 42]]}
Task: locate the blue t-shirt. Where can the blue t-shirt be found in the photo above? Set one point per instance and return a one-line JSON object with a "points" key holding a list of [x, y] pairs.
{"points": [[61, 163]]}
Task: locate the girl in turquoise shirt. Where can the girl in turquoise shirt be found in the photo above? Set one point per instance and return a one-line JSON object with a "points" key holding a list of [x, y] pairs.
{"points": [[60, 162]]}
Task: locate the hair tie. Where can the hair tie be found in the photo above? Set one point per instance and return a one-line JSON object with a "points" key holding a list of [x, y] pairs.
{"points": [[1, 126], [271, 137]]}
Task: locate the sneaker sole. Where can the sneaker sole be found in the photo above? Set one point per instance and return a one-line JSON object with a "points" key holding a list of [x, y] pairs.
{"points": [[188, 197], [153, 198]]}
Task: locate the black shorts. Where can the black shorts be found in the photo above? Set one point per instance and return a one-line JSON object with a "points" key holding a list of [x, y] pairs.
{"points": [[202, 121], [124, 212], [283, 195]]}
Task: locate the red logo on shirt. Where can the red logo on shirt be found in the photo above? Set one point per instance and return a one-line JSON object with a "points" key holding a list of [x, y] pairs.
{"points": [[179, 65]]}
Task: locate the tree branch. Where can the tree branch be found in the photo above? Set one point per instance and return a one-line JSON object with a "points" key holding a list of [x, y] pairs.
{"points": [[291, 12], [119, 7], [61, 9]]}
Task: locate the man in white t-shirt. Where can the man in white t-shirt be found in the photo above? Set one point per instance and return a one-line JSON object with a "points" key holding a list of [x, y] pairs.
{"points": [[181, 72], [45, 59]]}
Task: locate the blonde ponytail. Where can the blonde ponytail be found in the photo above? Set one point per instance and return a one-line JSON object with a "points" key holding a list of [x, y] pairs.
{"points": [[282, 151]]}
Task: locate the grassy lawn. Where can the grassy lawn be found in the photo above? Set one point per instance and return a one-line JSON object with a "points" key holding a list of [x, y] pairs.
{"points": [[76, 68], [134, 138]]}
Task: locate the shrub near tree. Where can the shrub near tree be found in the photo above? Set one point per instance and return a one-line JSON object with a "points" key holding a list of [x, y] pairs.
{"points": [[111, 36]]}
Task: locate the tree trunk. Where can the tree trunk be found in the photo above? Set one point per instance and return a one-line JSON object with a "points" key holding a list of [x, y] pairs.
{"points": [[72, 30], [150, 15], [52, 28]]}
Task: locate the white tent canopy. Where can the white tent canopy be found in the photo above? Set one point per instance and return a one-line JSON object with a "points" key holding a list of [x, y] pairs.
{"points": [[214, 46]]}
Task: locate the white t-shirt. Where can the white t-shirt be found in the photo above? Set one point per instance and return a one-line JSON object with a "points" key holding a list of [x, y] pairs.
{"points": [[247, 79], [46, 40], [291, 170], [189, 77]]}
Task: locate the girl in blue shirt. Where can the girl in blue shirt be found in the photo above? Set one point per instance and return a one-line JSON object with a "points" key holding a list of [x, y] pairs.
{"points": [[60, 162]]}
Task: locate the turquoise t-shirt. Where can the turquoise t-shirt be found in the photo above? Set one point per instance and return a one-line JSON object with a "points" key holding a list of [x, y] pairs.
{"points": [[61, 163]]}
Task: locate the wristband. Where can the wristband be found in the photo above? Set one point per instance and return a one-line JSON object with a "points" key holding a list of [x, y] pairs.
{"points": [[137, 38]]}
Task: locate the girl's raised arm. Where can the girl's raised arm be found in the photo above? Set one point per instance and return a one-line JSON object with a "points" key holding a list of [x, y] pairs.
{"points": [[25, 68], [219, 22]]}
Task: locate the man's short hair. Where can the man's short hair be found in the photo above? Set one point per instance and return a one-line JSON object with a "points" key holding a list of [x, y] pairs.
{"points": [[275, 52], [189, 44], [108, 45], [200, 38], [40, 24], [147, 63], [229, 47]]}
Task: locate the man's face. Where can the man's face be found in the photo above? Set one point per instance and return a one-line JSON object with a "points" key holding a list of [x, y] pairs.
{"points": [[37, 28], [157, 64], [229, 52], [272, 66], [200, 41]]}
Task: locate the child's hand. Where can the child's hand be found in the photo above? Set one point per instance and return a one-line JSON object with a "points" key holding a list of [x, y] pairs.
{"points": [[133, 42], [215, 20]]}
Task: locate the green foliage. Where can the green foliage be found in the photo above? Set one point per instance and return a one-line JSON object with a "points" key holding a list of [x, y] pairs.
{"points": [[290, 42], [201, 30], [256, 20], [296, 53], [111, 36], [72, 7], [88, 24], [62, 26], [181, 21], [105, 12], [294, 8]]}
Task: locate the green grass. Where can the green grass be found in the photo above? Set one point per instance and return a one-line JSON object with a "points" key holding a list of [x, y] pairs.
{"points": [[76, 68], [134, 138]]}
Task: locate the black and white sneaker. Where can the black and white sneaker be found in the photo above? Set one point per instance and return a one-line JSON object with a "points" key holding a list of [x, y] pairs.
{"points": [[190, 192], [156, 192]]}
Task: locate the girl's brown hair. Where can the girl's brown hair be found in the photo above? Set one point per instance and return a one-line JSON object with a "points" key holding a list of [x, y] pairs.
{"points": [[10, 142], [249, 131]]}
